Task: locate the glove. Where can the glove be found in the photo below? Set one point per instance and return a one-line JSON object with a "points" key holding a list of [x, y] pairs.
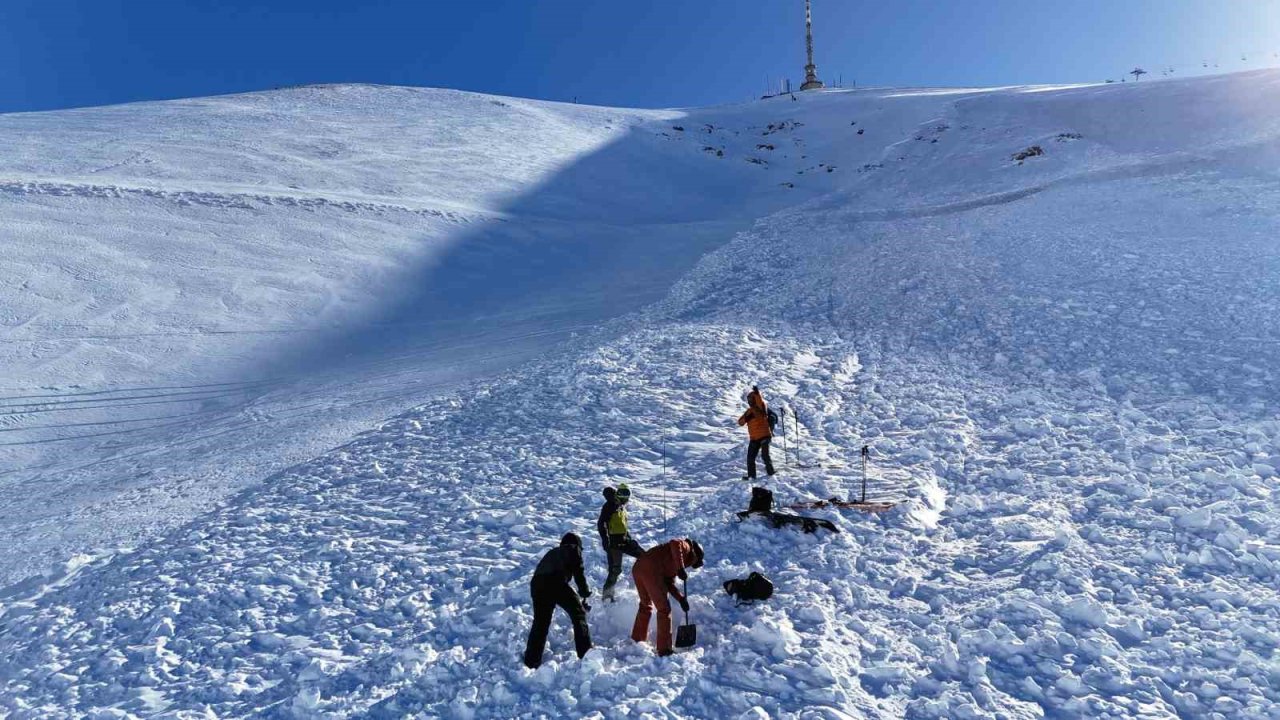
{"points": [[682, 574], [584, 594], [684, 604]]}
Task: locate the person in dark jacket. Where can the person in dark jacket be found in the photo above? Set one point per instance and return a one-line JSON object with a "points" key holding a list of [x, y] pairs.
{"points": [[549, 588], [655, 574], [615, 536], [756, 418]]}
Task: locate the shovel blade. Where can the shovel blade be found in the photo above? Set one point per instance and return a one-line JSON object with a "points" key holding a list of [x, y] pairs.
{"points": [[686, 636]]}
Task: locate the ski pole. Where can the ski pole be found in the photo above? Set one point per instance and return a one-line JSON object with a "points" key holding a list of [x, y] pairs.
{"points": [[865, 452], [795, 416], [664, 482], [784, 436]]}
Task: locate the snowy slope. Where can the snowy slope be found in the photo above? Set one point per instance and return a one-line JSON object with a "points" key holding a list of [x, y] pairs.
{"points": [[1063, 366], [197, 294]]}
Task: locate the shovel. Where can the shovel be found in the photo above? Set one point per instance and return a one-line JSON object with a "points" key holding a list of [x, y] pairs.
{"points": [[686, 634]]}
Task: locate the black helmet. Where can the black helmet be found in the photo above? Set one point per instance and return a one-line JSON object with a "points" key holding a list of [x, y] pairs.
{"points": [[697, 552], [571, 539]]}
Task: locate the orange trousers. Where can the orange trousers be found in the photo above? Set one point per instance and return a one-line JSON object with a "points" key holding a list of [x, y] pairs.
{"points": [[652, 588]]}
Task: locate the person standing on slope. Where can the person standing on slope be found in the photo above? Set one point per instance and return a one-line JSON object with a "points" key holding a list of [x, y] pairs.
{"points": [[549, 588], [756, 418], [655, 574], [614, 534]]}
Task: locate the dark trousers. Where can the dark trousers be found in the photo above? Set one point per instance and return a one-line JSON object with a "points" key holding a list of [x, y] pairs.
{"points": [[760, 447], [549, 591], [619, 545]]}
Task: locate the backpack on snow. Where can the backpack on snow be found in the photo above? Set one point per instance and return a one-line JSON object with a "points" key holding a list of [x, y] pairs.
{"points": [[762, 504], [761, 500], [754, 587]]}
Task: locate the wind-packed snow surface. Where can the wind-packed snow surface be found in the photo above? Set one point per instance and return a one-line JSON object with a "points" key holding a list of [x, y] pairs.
{"points": [[1064, 366]]}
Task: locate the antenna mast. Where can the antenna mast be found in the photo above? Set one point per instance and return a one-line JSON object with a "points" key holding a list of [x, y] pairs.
{"points": [[811, 81]]}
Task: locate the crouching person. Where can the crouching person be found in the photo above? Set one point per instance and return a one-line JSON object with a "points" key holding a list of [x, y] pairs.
{"points": [[655, 575], [549, 588]]}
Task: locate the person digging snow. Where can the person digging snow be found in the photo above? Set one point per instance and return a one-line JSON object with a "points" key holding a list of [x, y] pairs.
{"points": [[756, 418], [655, 575], [549, 588], [615, 535]]}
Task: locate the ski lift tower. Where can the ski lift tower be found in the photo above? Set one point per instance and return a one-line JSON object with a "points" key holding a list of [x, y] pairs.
{"points": [[811, 81]]}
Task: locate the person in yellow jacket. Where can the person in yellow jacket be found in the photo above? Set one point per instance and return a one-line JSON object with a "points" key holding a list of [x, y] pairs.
{"points": [[615, 535], [756, 418]]}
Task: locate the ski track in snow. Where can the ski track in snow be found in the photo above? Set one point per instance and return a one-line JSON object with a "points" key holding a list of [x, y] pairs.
{"points": [[1066, 388], [220, 200]]}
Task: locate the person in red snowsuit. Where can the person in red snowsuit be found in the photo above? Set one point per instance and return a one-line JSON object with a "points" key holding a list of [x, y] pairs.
{"points": [[655, 575]]}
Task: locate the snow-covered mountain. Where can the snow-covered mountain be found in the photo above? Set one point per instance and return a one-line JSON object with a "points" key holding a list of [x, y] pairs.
{"points": [[200, 293], [298, 386]]}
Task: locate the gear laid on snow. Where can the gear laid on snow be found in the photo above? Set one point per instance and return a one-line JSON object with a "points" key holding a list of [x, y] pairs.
{"points": [[655, 575], [860, 504], [759, 420], [761, 500], [550, 588], [762, 505], [615, 536], [750, 589], [836, 502]]}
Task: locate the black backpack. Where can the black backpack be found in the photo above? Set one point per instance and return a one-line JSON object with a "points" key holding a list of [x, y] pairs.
{"points": [[754, 587], [773, 418], [761, 500]]}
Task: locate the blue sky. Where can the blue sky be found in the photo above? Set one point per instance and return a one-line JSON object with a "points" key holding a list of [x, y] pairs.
{"points": [[641, 53]]}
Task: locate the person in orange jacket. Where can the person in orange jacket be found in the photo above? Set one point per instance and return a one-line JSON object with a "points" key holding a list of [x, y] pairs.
{"points": [[756, 418], [655, 575]]}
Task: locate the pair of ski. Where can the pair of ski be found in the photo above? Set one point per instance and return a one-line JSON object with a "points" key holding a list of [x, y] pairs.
{"points": [[836, 502], [780, 520]]}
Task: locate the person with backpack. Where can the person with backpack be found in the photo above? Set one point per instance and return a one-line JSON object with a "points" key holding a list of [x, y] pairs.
{"points": [[655, 575], [549, 588], [759, 420], [615, 536]]}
